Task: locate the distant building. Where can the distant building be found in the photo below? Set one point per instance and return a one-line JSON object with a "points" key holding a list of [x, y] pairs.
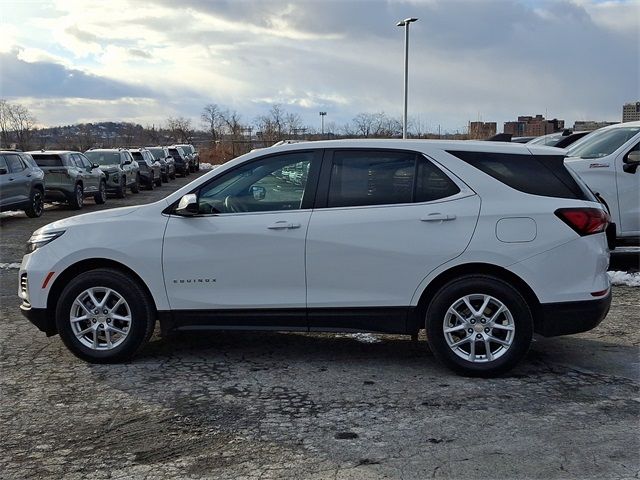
{"points": [[528, 126], [589, 125], [631, 112], [482, 130]]}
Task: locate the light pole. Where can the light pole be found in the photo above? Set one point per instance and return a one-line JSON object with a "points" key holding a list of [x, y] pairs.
{"points": [[405, 23], [322, 115]]}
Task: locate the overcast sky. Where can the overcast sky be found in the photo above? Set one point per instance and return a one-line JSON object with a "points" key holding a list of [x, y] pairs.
{"points": [[76, 61]]}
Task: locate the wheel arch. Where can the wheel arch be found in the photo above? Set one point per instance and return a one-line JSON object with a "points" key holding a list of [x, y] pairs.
{"points": [[92, 264], [416, 321]]}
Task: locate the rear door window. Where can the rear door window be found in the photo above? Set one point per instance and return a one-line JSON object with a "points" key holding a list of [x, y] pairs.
{"points": [[3, 163]]}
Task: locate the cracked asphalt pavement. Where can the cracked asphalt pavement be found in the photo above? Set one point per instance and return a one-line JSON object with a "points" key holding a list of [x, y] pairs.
{"points": [[231, 405]]}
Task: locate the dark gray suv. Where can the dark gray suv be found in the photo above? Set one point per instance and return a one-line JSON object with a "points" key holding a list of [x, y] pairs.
{"points": [[21, 184], [118, 165], [71, 177]]}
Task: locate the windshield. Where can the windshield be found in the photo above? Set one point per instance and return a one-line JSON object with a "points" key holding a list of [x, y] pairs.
{"points": [[602, 143], [157, 153], [104, 158]]}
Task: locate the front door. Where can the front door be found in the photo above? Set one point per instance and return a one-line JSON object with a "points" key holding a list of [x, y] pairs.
{"points": [[244, 253], [628, 183], [19, 182], [386, 220]]}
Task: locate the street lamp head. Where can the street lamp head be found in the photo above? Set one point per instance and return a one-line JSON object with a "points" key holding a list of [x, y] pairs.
{"points": [[323, 113], [406, 21]]}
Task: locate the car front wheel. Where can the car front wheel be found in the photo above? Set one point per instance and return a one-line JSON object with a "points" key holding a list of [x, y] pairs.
{"points": [[103, 316], [135, 188], [479, 325]]}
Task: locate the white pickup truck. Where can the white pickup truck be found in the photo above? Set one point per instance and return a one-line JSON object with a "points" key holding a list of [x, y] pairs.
{"points": [[607, 160]]}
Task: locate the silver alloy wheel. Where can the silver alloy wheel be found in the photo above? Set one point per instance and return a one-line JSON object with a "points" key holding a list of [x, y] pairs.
{"points": [[100, 318], [79, 195], [479, 328], [38, 203]]}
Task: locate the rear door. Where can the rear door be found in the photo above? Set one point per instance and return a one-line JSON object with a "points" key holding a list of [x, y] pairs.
{"points": [[8, 191], [385, 219]]}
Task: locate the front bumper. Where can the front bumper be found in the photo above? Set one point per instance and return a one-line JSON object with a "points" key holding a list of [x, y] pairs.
{"points": [[566, 318], [40, 318]]}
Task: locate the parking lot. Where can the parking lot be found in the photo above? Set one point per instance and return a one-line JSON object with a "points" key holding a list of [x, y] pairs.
{"points": [[311, 406]]}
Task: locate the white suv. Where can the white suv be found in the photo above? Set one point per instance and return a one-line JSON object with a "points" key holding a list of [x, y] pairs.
{"points": [[607, 160], [480, 243]]}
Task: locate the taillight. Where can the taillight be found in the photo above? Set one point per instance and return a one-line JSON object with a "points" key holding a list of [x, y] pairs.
{"points": [[584, 221]]}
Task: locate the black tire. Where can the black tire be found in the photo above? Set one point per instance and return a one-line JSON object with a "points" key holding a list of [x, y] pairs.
{"points": [[141, 307], [165, 178], [151, 183], [173, 175], [158, 181], [121, 192], [101, 196], [36, 203], [76, 200], [500, 290], [187, 170], [135, 188]]}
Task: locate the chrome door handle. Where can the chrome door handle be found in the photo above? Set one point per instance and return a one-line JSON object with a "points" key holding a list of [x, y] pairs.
{"points": [[437, 217], [282, 225]]}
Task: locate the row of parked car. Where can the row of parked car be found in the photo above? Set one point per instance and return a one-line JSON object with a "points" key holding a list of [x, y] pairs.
{"points": [[28, 179]]}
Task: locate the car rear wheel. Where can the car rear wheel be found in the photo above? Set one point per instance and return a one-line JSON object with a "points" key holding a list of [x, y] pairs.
{"points": [[158, 181], [121, 192], [101, 196], [36, 203], [479, 325], [76, 199], [104, 317], [151, 183], [135, 188]]}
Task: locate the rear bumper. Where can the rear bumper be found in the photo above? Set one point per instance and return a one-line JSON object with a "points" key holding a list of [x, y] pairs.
{"points": [[566, 318], [40, 318]]}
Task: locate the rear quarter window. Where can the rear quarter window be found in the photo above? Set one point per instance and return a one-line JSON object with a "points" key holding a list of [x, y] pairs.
{"points": [[544, 175]]}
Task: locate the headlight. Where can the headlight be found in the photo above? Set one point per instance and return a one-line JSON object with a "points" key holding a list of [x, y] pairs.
{"points": [[38, 240]]}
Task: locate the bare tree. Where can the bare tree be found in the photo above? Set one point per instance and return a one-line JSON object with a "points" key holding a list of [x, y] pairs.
{"points": [[214, 120], [232, 124], [22, 123], [180, 129], [5, 108]]}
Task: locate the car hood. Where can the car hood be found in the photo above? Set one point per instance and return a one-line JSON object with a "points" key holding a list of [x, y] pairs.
{"points": [[88, 218]]}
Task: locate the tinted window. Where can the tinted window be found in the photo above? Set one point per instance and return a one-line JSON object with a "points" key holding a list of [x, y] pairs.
{"points": [[371, 178], [3, 163], [28, 160], [432, 183], [14, 162], [174, 153], [47, 160], [544, 175], [271, 184], [157, 153]]}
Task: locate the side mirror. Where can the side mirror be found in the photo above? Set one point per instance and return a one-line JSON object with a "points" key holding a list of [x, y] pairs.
{"points": [[631, 161], [258, 192], [94, 165], [127, 162], [3, 171], [188, 205]]}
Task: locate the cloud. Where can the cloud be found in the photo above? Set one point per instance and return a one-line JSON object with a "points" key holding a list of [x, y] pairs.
{"points": [[45, 79], [574, 59]]}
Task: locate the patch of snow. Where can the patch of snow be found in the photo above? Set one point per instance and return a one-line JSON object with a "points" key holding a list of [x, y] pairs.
{"points": [[208, 166], [363, 337], [16, 213], [9, 266], [625, 278]]}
